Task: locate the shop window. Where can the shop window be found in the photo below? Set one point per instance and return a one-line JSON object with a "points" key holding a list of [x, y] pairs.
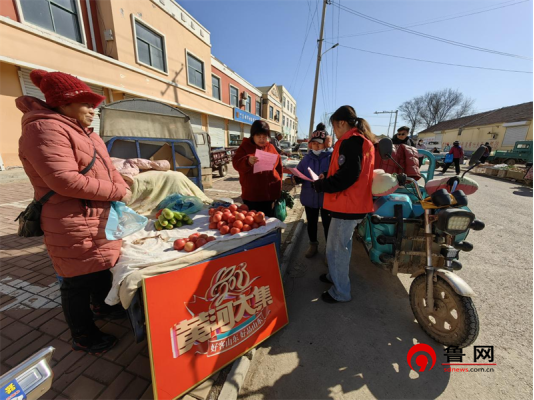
{"points": [[195, 71], [150, 47], [59, 16], [216, 87], [234, 96]]}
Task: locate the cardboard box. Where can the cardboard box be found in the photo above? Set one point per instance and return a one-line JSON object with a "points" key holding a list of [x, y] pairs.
{"points": [[207, 179], [492, 171], [165, 153], [517, 175]]}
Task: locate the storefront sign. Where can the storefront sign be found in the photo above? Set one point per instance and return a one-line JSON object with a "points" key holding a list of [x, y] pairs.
{"points": [[203, 317], [245, 117]]}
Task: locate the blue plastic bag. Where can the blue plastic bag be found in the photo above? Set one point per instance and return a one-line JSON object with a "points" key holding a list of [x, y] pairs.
{"points": [[123, 221], [180, 203], [449, 158]]}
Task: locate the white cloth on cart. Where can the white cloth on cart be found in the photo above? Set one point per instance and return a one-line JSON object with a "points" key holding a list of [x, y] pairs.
{"points": [[155, 254]]}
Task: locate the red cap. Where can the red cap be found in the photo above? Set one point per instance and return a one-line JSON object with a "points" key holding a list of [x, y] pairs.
{"points": [[61, 89]]}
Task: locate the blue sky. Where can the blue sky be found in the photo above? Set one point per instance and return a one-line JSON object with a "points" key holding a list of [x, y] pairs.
{"points": [[263, 42]]}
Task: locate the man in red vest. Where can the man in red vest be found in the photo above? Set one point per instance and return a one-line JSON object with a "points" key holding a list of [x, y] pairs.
{"points": [[348, 196]]}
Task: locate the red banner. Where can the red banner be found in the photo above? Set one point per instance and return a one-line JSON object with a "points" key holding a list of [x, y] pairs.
{"points": [[203, 317]]}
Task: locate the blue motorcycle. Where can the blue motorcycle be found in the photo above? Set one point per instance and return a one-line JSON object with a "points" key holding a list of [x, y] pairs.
{"points": [[413, 233]]}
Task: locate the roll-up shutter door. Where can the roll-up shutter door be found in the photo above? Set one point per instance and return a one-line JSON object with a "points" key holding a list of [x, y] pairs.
{"points": [[195, 119], [217, 131], [514, 134], [30, 89], [234, 132]]}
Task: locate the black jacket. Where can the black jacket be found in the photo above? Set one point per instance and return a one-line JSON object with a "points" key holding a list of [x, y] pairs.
{"points": [[407, 141]]}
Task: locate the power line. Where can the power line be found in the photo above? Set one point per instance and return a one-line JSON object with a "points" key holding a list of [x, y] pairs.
{"points": [[337, 53], [451, 42], [434, 20], [436, 62]]}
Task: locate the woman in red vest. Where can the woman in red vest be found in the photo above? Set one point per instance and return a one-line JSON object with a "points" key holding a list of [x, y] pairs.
{"points": [[347, 195]]}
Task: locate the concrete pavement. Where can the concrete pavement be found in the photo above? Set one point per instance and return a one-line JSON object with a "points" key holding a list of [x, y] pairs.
{"points": [[359, 349]]}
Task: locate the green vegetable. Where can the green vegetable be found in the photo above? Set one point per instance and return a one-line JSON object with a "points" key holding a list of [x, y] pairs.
{"points": [[169, 226], [172, 221], [162, 219], [158, 226], [178, 216], [167, 213], [178, 224], [164, 223]]}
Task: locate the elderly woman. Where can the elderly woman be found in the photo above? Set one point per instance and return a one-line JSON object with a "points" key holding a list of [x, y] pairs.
{"points": [[55, 146], [259, 190]]}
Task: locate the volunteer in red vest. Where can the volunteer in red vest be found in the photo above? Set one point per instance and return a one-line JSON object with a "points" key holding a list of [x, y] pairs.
{"points": [[347, 195], [259, 190]]}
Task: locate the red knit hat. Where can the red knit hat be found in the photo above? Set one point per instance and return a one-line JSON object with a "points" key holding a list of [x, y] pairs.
{"points": [[61, 89]]}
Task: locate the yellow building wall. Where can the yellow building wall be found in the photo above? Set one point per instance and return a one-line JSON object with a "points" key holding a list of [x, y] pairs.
{"points": [[10, 115], [472, 137]]}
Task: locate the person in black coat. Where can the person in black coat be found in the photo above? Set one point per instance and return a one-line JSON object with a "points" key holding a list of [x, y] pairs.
{"points": [[486, 153], [401, 137]]}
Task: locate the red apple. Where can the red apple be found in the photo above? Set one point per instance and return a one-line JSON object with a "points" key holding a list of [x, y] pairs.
{"points": [[255, 225], [179, 244], [235, 213], [211, 211], [263, 223], [233, 207], [203, 236], [246, 228], [259, 217], [251, 214], [244, 207], [189, 247], [238, 224], [201, 242], [213, 225], [240, 217], [226, 216], [211, 238], [234, 231], [220, 208], [220, 224], [231, 219], [224, 229], [249, 220], [217, 218]]}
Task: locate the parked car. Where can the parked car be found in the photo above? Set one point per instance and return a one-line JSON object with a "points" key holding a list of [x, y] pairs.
{"points": [[285, 146], [303, 148]]}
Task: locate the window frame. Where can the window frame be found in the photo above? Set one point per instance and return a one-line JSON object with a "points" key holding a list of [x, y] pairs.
{"points": [[190, 53], [271, 113], [136, 20], [78, 14], [248, 104], [230, 95], [258, 111], [220, 87]]}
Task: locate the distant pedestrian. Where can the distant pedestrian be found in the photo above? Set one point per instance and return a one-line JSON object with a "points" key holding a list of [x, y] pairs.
{"points": [[318, 160], [435, 150], [486, 153], [55, 146], [447, 148], [347, 195], [275, 141], [458, 154], [402, 137], [421, 146]]}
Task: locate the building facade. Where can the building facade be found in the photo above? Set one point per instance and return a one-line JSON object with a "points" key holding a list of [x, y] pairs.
{"points": [[271, 108], [501, 128], [123, 49], [289, 115]]}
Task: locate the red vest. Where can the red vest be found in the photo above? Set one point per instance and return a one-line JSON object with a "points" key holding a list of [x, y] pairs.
{"points": [[357, 199]]}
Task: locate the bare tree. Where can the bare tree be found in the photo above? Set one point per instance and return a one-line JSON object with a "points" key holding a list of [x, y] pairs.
{"points": [[435, 107], [411, 111]]}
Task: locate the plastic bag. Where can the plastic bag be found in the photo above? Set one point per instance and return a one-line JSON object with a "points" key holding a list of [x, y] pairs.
{"points": [[280, 210], [184, 204], [449, 158], [123, 221]]}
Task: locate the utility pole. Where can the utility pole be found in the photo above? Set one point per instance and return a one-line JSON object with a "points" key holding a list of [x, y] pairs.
{"points": [[396, 112], [314, 98]]}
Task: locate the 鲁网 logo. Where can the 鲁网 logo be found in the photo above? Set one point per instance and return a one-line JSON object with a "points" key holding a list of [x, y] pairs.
{"points": [[422, 360]]}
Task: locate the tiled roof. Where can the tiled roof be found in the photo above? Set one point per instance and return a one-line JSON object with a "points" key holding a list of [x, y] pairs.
{"points": [[520, 112]]}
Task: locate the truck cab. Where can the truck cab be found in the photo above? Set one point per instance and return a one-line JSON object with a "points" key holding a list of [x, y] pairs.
{"points": [[520, 154]]}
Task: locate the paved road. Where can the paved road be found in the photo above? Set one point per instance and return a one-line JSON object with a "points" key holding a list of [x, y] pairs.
{"points": [[358, 350]]}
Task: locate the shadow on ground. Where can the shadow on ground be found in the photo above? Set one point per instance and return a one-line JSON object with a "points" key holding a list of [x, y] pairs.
{"points": [[350, 350], [522, 191]]}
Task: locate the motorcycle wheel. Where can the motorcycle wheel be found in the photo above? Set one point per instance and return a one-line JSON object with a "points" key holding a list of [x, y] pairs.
{"points": [[223, 169], [454, 321]]}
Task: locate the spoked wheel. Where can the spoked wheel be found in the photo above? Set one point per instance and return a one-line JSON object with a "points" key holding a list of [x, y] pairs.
{"points": [[454, 320]]}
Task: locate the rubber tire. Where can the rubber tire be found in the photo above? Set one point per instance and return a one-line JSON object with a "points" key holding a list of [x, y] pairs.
{"points": [[510, 161], [223, 170], [469, 333]]}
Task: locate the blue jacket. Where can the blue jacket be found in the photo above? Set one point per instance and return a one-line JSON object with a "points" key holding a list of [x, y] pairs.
{"points": [[318, 164]]}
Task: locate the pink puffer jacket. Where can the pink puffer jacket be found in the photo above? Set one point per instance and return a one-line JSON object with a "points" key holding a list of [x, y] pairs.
{"points": [[53, 149]]}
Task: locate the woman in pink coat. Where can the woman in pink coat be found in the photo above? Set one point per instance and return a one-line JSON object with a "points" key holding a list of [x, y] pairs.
{"points": [[56, 144]]}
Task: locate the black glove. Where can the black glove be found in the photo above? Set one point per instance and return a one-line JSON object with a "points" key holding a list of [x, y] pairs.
{"points": [[318, 185]]}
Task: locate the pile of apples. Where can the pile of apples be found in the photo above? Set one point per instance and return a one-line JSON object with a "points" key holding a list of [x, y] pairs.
{"points": [[193, 242], [235, 219]]}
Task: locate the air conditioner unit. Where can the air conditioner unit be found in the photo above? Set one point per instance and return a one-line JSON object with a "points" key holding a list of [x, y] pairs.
{"points": [[243, 103], [244, 94]]}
